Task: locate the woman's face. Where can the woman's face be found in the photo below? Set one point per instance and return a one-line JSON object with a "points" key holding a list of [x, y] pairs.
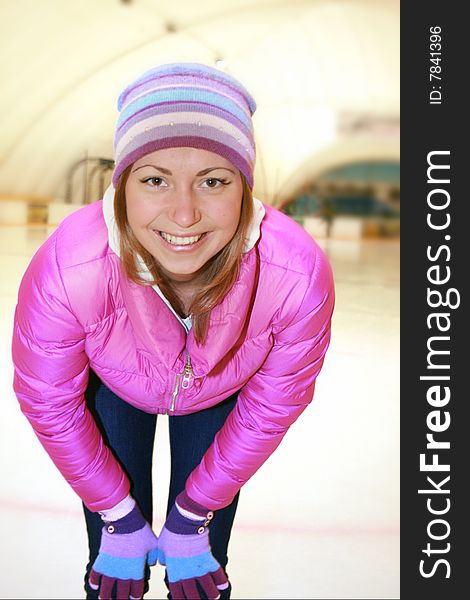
{"points": [[183, 206]]}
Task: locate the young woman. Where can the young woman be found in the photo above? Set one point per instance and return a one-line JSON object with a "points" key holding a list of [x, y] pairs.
{"points": [[180, 294]]}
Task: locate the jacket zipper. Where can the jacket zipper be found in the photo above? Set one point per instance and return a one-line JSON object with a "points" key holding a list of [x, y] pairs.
{"points": [[186, 375], [175, 393]]}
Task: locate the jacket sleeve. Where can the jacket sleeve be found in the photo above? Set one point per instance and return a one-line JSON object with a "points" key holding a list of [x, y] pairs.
{"points": [[273, 398], [50, 379]]}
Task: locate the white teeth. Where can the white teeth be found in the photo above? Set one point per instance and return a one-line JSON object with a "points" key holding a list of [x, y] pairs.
{"points": [[180, 241]]}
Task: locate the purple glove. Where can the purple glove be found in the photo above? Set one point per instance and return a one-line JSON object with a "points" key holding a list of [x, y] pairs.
{"points": [[127, 546], [184, 549]]}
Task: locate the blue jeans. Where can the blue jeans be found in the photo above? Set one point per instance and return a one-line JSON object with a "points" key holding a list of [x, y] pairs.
{"points": [[130, 433]]}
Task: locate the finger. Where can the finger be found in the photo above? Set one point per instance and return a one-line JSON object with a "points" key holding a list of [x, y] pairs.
{"points": [[190, 589], [106, 588], [220, 579], [94, 579], [137, 589], [123, 589], [223, 586], [176, 591], [209, 587], [152, 557]]}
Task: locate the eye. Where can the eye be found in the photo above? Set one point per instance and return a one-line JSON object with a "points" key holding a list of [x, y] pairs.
{"points": [[215, 182], [154, 181]]}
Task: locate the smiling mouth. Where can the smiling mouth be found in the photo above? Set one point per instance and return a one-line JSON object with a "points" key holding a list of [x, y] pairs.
{"points": [[181, 241]]}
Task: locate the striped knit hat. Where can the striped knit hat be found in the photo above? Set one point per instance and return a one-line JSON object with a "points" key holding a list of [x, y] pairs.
{"points": [[185, 105]]}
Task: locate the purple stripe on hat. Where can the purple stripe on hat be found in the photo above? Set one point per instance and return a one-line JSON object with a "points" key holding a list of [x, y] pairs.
{"points": [[190, 130], [169, 107], [159, 96], [185, 142], [156, 128], [205, 81], [188, 69], [188, 81]]}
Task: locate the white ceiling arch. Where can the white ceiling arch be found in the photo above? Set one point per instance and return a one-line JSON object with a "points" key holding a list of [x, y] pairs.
{"points": [[63, 64]]}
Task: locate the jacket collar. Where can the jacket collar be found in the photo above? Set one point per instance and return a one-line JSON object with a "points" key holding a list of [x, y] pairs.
{"points": [[165, 339]]}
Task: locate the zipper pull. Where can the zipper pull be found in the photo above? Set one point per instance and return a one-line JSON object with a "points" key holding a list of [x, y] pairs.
{"points": [[187, 373], [175, 393]]}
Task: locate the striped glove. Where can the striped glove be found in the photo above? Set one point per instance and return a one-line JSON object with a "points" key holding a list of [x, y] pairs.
{"points": [[127, 546], [184, 549]]}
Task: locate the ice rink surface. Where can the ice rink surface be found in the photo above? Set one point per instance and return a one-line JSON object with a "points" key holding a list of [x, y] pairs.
{"points": [[321, 517]]}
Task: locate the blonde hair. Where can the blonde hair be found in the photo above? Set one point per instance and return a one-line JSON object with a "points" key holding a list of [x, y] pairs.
{"points": [[220, 272]]}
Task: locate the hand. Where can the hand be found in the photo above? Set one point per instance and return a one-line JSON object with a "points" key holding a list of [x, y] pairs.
{"points": [[127, 546], [185, 550]]}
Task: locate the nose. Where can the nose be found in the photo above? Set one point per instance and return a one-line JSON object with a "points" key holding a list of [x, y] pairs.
{"points": [[184, 211]]}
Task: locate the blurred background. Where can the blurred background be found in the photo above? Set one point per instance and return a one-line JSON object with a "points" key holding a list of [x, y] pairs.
{"points": [[321, 518]]}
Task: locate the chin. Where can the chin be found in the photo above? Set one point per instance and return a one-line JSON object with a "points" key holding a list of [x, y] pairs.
{"points": [[179, 273]]}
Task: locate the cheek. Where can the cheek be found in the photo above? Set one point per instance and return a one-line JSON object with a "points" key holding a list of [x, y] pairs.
{"points": [[235, 217], [138, 207], [132, 219], [234, 220], [138, 212], [130, 205], [229, 216]]}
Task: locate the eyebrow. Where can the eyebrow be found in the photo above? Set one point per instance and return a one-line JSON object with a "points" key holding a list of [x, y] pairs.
{"points": [[168, 172]]}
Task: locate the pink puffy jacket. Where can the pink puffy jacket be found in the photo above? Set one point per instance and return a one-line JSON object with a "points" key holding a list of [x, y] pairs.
{"points": [[76, 310]]}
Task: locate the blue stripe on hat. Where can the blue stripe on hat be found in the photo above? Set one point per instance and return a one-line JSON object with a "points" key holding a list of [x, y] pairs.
{"points": [[184, 94]]}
